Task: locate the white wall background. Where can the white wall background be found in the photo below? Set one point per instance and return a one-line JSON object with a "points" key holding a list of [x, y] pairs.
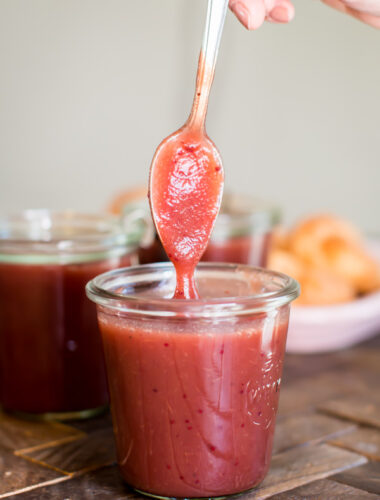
{"points": [[88, 88]]}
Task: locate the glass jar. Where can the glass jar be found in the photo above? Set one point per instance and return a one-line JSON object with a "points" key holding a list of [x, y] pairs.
{"points": [[241, 235], [194, 384], [151, 249], [242, 231], [51, 359]]}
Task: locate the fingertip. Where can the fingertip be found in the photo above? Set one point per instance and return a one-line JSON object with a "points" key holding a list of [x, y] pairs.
{"points": [[282, 13], [251, 13]]}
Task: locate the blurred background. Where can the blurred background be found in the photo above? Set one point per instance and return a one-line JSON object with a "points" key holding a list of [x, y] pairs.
{"points": [[89, 88]]}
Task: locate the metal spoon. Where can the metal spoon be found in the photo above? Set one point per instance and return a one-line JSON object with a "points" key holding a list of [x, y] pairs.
{"points": [[186, 176]]}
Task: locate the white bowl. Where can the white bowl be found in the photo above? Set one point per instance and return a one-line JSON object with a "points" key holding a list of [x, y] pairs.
{"points": [[329, 328]]}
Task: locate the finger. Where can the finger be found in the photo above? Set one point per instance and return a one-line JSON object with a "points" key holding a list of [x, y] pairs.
{"points": [[371, 7], [282, 12], [251, 13], [336, 4], [362, 16], [373, 21]]}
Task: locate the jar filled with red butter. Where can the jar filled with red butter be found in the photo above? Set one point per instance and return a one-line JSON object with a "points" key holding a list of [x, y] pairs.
{"points": [[242, 232], [51, 358]]}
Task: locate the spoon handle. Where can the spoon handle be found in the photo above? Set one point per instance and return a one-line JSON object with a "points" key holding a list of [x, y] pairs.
{"points": [[216, 14]]}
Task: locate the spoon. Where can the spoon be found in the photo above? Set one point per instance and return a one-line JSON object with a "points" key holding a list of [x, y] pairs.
{"points": [[186, 175]]}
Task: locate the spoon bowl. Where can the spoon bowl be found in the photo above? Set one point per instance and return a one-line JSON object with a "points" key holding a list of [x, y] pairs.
{"points": [[186, 185]]}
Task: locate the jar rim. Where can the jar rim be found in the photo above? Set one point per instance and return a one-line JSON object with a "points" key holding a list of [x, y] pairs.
{"points": [[101, 291], [40, 236]]}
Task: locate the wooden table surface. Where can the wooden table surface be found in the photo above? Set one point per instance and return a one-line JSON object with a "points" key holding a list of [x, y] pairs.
{"points": [[327, 443]]}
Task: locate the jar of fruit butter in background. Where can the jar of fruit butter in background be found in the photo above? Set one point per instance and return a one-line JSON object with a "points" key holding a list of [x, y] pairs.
{"points": [[242, 231], [51, 358]]}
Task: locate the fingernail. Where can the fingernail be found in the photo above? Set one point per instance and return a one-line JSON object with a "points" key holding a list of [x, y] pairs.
{"points": [[281, 15], [242, 13]]}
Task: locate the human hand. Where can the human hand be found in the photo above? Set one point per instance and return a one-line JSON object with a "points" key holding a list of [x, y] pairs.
{"points": [[252, 13]]}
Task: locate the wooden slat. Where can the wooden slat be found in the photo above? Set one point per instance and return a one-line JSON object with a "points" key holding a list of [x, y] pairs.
{"points": [[363, 408], [326, 490], [306, 394], [17, 473], [296, 366], [90, 452], [104, 484], [365, 441], [366, 477], [17, 434], [361, 358], [103, 421], [307, 429], [300, 466]]}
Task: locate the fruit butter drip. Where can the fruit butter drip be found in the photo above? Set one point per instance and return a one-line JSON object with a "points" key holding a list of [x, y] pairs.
{"points": [[186, 187]]}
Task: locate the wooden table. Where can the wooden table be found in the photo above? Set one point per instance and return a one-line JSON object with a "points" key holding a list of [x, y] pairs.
{"points": [[327, 443]]}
